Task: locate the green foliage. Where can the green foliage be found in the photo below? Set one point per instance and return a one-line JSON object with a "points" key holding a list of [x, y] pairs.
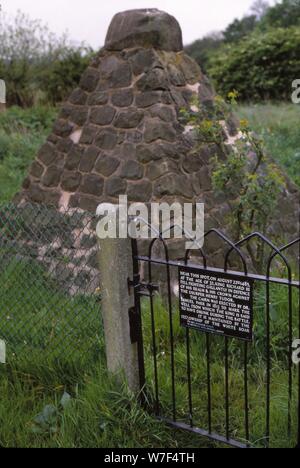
{"points": [[257, 55], [47, 422], [260, 67], [278, 127], [202, 49], [240, 28], [65, 401], [63, 75], [37, 119], [37, 66], [99, 412], [282, 15], [46, 315], [22, 132], [247, 179]]}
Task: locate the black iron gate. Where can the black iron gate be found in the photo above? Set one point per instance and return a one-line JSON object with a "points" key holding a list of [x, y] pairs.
{"points": [[243, 393]]}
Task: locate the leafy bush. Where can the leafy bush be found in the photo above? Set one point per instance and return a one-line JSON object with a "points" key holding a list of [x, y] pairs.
{"points": [[96, 411], [257, 54], [202, 49], [37, 66], [260, 67], [278, 126], [244, 176], [282, 15], [20, 120], [64, 74], [240, 28]]}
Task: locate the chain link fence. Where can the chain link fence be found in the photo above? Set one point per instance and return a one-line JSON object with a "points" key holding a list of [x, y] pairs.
{"points": [[49, 283]]}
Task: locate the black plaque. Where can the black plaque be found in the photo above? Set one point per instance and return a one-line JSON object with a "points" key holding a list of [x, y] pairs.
{"points": [[218, 303]]}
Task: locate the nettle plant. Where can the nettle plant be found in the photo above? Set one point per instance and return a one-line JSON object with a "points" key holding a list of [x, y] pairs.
{"points": [[242, 174]]}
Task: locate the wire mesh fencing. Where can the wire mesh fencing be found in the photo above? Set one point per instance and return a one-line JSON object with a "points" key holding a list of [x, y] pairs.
{"points": [[49, 283]]}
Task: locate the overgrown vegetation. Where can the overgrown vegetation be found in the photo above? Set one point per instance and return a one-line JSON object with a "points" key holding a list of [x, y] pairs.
{"points": [[65, 402], [37, 66], [260, 67], [41, 316], [23, 131], [101, 413], [257, 372], [257, 55], [278, 126], [248, 180], [55, 391], [70, 401]]}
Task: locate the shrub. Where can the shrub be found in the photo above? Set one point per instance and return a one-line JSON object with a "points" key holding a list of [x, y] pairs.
{"points": [[278, 126], [202, 49], [240, 28], [62, 76], [246, 178], [260, 67], [37, 66], [283, 15], [37, 119]]}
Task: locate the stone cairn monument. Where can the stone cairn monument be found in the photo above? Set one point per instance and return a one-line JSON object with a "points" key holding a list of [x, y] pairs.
{"points": [[120, 131]]}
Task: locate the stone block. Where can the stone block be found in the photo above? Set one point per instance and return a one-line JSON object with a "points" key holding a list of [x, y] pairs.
{"points": [[129, 119], [92, 184], [70, 181], [106, 165], [103, 115], [144, 28], [123, 98], [115, 186]]}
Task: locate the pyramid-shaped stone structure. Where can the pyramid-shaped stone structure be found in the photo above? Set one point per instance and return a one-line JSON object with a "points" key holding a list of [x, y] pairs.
{"points": [[120, 130]]}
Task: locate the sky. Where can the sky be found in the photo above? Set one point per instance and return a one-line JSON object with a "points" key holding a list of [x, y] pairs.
{"points": [[88, 20]]}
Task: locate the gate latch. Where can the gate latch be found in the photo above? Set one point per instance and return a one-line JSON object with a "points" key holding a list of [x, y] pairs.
{"points": [[140, 287]]}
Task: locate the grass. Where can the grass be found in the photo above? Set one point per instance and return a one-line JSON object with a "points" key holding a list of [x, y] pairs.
{"points": [[256, 371], [55, 344], [36, 314], [278, 126], [99, 411]]}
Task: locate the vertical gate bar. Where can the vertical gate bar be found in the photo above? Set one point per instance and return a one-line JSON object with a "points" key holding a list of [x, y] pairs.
{"points": [[227, 390], [268, 357], [139, 325], [247, 430], [171, 338], [208, 383], [290, 397], [189, 376], [298, 438], [157, 403]]}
